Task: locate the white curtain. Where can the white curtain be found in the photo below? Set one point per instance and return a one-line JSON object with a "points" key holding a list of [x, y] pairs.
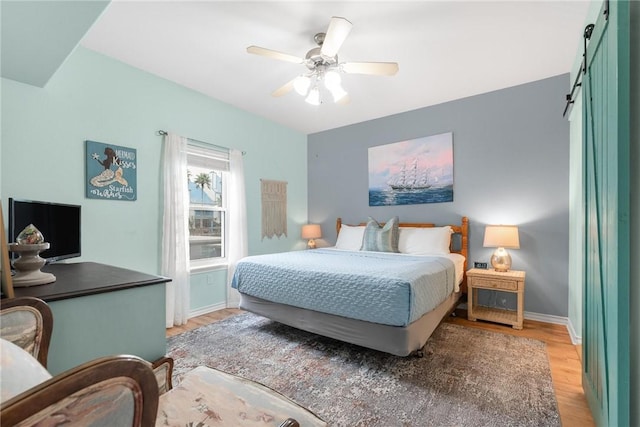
{"points": [[175, 229], [237, 211]]}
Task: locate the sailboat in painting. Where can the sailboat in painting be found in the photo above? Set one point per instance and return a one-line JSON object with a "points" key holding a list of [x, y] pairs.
{"points": [[410, 179]]}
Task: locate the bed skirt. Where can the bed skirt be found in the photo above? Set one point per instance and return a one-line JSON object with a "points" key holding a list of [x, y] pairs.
{"points": [[398, 340]]}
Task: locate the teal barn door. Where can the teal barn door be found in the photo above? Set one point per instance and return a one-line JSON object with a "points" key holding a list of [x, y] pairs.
{"points": [[606, 153]]}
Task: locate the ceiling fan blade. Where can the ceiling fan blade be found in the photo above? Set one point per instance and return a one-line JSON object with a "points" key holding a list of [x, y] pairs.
{"points": [[373, 68], [337, 33], [284, 89], [256, 50]]}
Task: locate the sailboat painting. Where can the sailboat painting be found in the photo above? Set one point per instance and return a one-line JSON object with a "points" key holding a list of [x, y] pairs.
{"points": [[412, 172]]}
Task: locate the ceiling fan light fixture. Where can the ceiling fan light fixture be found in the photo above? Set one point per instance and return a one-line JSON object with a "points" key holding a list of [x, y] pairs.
{"points": [[301, 84], [332, 80], [314, 96], [323, 65], [332, 83], [338, 93]]}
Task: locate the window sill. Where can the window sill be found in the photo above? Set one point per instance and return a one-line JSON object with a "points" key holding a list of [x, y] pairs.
{"points": [[208, 267]]}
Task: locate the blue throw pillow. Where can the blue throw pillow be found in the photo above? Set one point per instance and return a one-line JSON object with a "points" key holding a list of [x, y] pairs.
{"points": [[381, 239]]}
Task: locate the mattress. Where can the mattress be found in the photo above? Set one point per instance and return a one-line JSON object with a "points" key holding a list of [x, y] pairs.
{"points": [[379, 287]]}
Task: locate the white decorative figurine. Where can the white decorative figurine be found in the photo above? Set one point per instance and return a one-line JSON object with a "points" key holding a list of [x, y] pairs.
{"points": [[29, 243]]}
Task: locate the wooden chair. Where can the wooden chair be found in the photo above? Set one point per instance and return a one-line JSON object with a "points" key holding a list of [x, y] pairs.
{"points": [[115, 390], [28, 323], [163, 370], [125, 391]]}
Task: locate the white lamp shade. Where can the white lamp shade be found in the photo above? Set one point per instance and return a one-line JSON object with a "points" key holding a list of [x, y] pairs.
{"points": [[301, 84], [314, 97], [311, 231], [338, 93], [501, 236], [331, 80]]}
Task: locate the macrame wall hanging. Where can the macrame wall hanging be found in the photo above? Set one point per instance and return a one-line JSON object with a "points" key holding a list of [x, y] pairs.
{"points": [[274, 208]]}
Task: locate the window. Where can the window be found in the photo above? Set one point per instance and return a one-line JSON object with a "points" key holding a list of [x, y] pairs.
{"points": [[207, 170]]}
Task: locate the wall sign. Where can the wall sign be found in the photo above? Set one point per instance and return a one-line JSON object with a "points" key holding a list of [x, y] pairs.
{"points": [[110, 171], [412, 172]]}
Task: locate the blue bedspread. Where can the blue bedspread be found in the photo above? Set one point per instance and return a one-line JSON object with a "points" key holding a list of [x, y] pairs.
{"points": [[378, 287]]}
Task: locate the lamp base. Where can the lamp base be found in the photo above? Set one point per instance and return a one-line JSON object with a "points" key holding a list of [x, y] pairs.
{"points": [[311, 244], [501, 260], [28, 265]]}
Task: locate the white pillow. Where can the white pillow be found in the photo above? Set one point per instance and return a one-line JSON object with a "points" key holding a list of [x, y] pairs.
{"points": [[350, 237], [20, 370], [425, 241]]}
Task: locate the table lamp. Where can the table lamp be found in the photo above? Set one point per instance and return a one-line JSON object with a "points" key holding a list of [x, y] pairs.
{"points": [[311, 232], [501, 237]]}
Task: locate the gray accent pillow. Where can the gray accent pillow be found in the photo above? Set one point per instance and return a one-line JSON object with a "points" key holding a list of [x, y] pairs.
{"points": [[381, 239]]}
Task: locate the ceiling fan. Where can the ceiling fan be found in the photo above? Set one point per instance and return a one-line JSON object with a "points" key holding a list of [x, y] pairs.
{"points": [[323, 66]]}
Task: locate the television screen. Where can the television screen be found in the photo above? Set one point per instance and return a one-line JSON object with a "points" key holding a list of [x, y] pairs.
{"points": [[58, 223]]}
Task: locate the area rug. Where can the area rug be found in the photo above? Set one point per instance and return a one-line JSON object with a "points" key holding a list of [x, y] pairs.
{"points": [[468, 377]]}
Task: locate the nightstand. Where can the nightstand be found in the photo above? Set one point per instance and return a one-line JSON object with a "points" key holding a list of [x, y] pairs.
{"points": [[510, 281]]}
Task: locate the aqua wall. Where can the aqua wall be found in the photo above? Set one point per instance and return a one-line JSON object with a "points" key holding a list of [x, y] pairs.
{"points": [[97, 98]]}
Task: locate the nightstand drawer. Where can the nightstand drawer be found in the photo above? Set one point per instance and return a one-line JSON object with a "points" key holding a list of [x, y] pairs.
{"points": [[481, 282]]}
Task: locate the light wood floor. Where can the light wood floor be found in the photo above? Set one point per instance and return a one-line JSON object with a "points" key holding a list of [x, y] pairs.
{"points": [[564, 358]]}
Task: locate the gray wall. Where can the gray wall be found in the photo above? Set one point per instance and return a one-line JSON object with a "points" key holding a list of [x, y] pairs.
{"points": [[511, 166]]}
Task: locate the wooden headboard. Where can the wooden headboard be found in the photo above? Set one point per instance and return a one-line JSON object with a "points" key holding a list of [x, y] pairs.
{"points": [[461, 229]]}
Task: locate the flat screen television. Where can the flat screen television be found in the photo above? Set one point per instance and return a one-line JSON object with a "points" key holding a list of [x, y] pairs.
{"points": [[59, 224]]}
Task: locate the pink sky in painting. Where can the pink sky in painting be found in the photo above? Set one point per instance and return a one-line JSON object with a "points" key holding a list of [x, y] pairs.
{"points": [[432, 152]]}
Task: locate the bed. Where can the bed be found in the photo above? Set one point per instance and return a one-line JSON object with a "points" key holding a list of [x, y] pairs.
{"points": [[387, 301]]}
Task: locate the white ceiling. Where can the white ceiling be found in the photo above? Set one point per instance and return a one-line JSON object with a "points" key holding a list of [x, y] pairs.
{"points": [[446, 50]]}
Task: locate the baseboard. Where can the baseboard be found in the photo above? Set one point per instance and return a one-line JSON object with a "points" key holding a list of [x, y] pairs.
{"points": [[558, 320], [548, 318], [207, 309], [575, 338]]}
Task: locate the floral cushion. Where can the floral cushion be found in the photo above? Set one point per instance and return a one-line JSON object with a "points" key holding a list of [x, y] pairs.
{"points": [[215, 398], [21, 325]]}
